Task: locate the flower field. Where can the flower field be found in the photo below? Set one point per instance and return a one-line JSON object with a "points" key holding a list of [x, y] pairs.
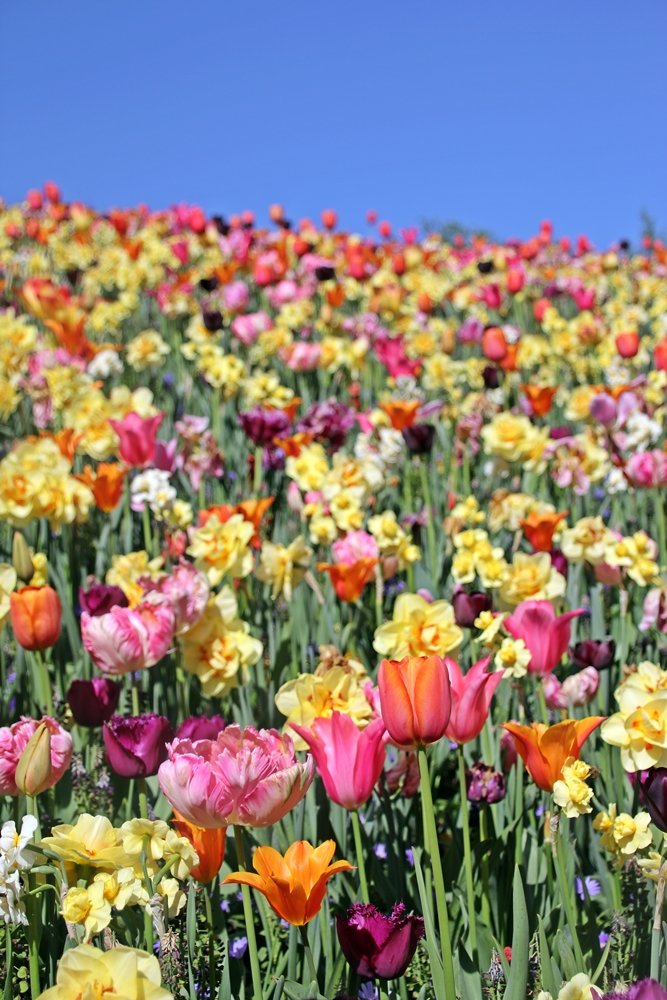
{"points": [[333, 611]]}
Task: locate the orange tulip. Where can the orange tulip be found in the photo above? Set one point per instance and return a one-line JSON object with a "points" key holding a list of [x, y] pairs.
{"points": [[540, 398], [539, 529], [292, 445], [402, 413], [545, 749], [627, 344], [415, 699], [251, 510], [209, 845], [349, 579], [494, 344], [294, 885], [105, 483], [508, 363], [35, 614]]}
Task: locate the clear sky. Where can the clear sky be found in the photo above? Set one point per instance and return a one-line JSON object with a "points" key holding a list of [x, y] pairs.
{"points": [[494, 114]]}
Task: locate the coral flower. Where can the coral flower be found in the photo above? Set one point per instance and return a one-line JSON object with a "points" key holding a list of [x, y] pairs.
{"points": [[349, 579], [246, 777], [35, 614], [294, 885], [350, 760], [539, 529], [546, 634], [545, 749], [137, 438], [540, 398], [471, 696], [209, 845], [415, 698]]}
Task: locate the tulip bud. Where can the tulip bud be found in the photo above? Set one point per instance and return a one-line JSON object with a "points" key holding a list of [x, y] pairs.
{"points": [[21, 558], [33, 772]]}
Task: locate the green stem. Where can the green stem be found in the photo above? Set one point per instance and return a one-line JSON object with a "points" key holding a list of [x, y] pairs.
{"points": [[249, 921], [656, 933], [33, 933], [44, 682], [660, 520], [558, 848], [310, 962], [433, 850], [430, 524], [257, 471], [361, 866], [467, 857], [143, 798]]}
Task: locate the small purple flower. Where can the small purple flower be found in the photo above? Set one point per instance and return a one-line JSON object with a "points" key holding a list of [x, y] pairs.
{"points": [[380, 851], [368, 991], [410, 857], [484, 784], [225, 905], [603, 937], [587, 887], [238, 947]]}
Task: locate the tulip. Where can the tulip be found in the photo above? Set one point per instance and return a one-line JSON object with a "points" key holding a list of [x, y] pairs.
{"points": [[415, 699], [128, 639], [136, 746], [627, 344], [93, 702], [598, 653], [652, 786], [245, 777], [350, 760], [468, 607], [402, 413], [100, 598], [35, 614], [494, 344], [471, 695], [187, 591], [577, 689], [539, 398], [349, 579], [329, 218], [539, 529], [379, 944], [209, 845], [294, 885], [545, 749], [545, 633], [262, 425], [22, 558], [200, 727], [23, 756], [660, 355], [483, 784], [419, 438], [137, 438], [643, 989]]}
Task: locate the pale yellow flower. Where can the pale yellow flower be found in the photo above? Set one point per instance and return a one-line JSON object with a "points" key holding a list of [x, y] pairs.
{"points": [[641, 735], [222, 548], [309, 468], [219, 647], [146, 350], [284, 567], [87, 906], [8, 580], [531, 577], [571, 792], [87, 972], [92, 841], [512, 658], [418, 628], [586, 541], [312, 696]]}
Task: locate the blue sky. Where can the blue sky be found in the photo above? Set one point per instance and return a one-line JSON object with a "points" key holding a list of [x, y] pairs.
{"points": [[496, 115]]}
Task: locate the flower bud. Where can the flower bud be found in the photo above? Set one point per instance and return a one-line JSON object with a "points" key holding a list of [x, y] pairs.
{"points": [[21, 558], [33, 772]]}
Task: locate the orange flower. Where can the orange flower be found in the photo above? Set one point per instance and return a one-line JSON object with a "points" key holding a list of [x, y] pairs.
{"points": [[294, 885], [545, 749], [539, 529], [508, 363], [35, 614], [292, 445], [209, 845], [69, 332], [402, 413], [251, 510], [415, 699], [105, 483], [349, 579], [289, 408], [540, 398]]}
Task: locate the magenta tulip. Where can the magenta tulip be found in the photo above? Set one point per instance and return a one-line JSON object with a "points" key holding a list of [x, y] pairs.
{"points": [[471, 696], [136, 746], [546, 634], [137, 438], [379, 944]]}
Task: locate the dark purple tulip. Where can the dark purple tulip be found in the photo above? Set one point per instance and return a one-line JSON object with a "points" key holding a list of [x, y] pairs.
{"points": [[484, 784], [467, 607], [491, 376], [377, 944], [598, 653], [200, 727], [419, 438], [645, 989], [93, 702], [263, 425], [136, 746], [558, 561], [652, 786], [558, 433], [101, 598], [329, 421]]}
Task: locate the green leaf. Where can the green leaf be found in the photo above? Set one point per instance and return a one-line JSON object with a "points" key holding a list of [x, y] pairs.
{"points": [[517, 984], [550, 982]]}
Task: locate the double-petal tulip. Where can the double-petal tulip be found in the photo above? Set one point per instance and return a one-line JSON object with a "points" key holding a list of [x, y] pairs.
{"points": [[545, 633], [379, 944], [349, 759], [35, 614], [245, 777], [545, 749], [471, 696], [415, 699], [294, 885], [129, 639]]}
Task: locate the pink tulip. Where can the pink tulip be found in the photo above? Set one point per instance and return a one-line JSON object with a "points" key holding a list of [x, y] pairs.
{"points": [[137, 438], [545, 633], [186, 589], [578, 689], [13, 741], [647, 469], [471, 697], [246, 777], [354, 546], [129, 639], [350, 760]]}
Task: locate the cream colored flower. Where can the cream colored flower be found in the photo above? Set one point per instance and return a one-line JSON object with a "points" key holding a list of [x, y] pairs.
{"points": [[641, 735], [571, 792], [531, 577], [8, 581], [283, 568], [512, 658], [586, 541], [89, 907], [222, 548], [312, 696], [418, 628], [86, 972]]}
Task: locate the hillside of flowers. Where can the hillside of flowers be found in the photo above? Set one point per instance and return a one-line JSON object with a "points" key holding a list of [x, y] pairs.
{"points": [[332, 608]]}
